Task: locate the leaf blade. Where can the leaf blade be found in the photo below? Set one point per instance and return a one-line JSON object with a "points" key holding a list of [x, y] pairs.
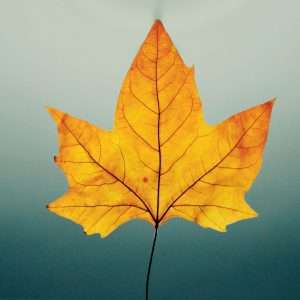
{"points": [[162, 159]]}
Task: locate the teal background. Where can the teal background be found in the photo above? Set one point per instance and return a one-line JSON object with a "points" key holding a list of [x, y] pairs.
{"points": [[73, 55]]}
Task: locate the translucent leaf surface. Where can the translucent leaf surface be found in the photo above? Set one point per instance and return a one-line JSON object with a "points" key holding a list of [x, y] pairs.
{"points": [[161, 160]]}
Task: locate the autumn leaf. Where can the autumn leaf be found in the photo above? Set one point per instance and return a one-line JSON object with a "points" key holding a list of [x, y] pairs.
{"points": [[162, 159]]}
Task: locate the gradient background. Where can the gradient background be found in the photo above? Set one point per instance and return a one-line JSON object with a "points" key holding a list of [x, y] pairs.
{"points": [[73, 55]]}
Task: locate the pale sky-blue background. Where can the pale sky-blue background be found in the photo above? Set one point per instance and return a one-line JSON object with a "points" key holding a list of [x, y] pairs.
{"points": [[73, 55]]}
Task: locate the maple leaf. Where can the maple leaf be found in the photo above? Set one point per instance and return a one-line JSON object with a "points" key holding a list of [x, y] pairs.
{"points": [[162, 159]]}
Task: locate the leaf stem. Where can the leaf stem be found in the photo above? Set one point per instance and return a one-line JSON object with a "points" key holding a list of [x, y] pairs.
{"points": [[150, 261]]}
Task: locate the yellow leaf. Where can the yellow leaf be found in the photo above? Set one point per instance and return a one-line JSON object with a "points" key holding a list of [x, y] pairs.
{"points": [[161, 160]]}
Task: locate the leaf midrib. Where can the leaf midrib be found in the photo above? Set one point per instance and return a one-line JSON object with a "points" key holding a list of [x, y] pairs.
{"points": [[158, 130]]}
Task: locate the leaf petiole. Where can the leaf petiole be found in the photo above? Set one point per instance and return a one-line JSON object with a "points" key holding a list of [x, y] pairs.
{"points": [[150, 261]]}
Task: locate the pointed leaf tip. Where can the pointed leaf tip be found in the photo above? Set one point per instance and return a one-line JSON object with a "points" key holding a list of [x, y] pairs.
{"points": [[158, 25], [56, 114], [270, 103], [51, 111], [273, 100]]}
